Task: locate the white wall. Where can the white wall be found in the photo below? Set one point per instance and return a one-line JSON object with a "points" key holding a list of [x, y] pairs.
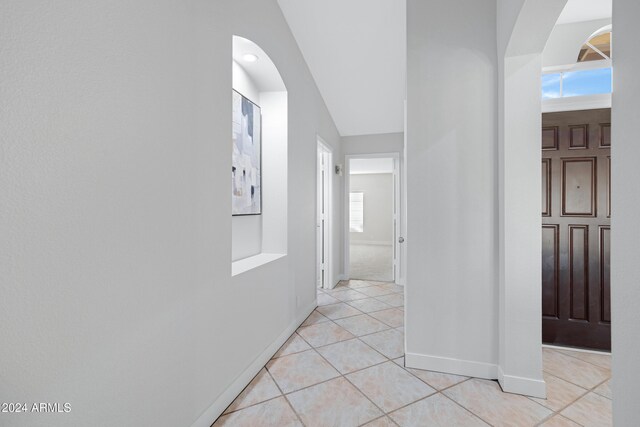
{"points": [[451, 295], [378, 207], [275, 196], [115, 220], [523, 30], [566, 40], [625, 269], [337, 228], [372, 144], [243, 83]]}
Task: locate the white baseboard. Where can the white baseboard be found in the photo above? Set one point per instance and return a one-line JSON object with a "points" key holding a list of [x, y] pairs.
{"points": [[521, 385], [372, 242], [451, 366], [342, 277], [225, 399]]}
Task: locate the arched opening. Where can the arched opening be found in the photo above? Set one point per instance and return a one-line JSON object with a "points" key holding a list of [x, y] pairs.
{"points": [[576, 188], [598, 47], [589, 75], [569, 79], [259, 159], [519, 182]]}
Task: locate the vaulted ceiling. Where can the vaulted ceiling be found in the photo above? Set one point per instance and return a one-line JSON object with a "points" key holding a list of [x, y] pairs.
{"points": [[356, 51], [585, 10]]}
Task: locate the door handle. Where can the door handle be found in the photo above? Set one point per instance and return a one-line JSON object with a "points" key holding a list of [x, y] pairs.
{"points": [[401, 240]]}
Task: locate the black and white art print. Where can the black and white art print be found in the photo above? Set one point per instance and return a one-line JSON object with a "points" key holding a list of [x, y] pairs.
{"points": [[246, 178]]}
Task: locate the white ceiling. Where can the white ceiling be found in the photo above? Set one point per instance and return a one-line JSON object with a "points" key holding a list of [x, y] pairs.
{"points": [[355, 50], [374, 165], [585, 10]]}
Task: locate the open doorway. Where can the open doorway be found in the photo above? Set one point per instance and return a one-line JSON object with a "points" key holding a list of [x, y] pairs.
{"points": [[576, 198], [323, 217], [372, 209]]}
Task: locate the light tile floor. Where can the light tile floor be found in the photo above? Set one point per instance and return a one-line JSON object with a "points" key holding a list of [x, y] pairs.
{"points": [[344, 367]]}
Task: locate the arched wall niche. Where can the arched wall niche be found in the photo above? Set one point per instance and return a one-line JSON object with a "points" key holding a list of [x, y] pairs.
{"points": [[259, 239]]}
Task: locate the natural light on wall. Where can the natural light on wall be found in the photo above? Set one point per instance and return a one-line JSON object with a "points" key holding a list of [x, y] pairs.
{"points": [[356, 212], [591, 75]]}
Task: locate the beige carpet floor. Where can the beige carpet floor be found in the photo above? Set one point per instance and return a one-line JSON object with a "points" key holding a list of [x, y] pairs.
{"points": [[371, 262]]}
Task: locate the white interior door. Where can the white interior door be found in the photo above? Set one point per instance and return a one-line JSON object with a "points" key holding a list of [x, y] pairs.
{"points": [[396, 220], [320, 221], [323, 221]]}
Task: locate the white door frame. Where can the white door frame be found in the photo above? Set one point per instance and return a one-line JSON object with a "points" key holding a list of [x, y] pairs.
{"points": [[324, 199], [397, 212]]}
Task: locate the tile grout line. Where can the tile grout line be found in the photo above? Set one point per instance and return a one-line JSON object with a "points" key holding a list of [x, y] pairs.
{"points": [[582, 395], [243, 390], [461, 405], [389, 360], [282, 394], [377, 320], [355, 337], [355, 315], [285, 398], [588, 391], [252, 405], [553, 412], [501, 391], [578, 385], [340, 374], [444, 395], [385, 414], [355, 386], [561, 351], [295, 333], [364, 296], [361, 311], [464, 407]]}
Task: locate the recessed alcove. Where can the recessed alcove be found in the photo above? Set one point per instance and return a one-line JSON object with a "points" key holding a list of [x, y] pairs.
{"points": [[262, 238]]}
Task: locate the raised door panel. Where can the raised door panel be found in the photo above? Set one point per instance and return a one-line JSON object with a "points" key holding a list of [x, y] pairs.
{"points": [[578, 137], [608, 187], [550, 270], [605, 135], [550, 138], [605, 274], [546, 187], [579, 186], [579, 272]]}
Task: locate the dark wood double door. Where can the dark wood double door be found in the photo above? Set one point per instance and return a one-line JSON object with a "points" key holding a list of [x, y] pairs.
{"points": [[576, 228]]}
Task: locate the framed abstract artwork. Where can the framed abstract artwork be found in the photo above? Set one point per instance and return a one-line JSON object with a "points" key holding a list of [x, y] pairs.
{"points": [[246, 174]]}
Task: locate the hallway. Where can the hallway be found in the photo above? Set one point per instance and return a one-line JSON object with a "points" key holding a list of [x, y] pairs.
{"points": [[344, 367]]}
